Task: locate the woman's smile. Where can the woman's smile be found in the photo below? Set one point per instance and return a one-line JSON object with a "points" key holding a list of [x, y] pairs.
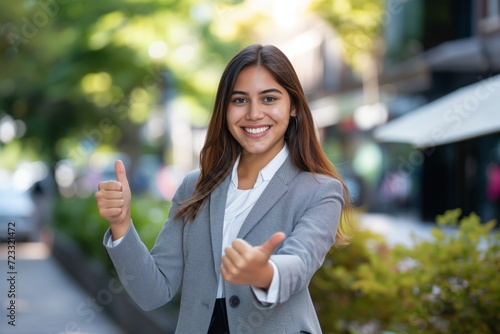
{"points": [[256, 130]]}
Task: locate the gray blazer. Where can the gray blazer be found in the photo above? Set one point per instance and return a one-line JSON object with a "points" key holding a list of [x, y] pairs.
{"points": [[304, 206]]}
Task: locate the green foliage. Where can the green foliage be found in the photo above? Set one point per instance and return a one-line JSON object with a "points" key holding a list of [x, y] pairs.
{"points": [[81, 73], [447, 284], [359, 24], [79, 219]]}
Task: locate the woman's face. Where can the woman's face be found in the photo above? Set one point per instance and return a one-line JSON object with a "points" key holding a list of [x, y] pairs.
{"points": [[258, 113]]}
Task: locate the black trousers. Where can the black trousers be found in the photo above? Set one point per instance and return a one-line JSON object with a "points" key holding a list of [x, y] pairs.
{"points": [[219, 324]]}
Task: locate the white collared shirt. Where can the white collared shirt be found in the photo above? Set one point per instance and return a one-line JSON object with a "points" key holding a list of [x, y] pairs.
{"points": [[239, 203]]}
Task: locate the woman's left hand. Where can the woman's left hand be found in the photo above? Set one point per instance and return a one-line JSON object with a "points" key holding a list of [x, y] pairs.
{"points": [[245, 264]]}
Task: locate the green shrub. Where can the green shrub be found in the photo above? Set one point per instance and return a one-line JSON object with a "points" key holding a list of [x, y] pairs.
{"points": [[446, 284], [79, 219]]}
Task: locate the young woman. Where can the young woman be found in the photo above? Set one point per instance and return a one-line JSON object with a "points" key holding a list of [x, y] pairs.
{"points": [[246, 231]]}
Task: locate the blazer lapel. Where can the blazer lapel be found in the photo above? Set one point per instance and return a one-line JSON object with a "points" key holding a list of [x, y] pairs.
{"points": [[273, 192], [217, 210]]}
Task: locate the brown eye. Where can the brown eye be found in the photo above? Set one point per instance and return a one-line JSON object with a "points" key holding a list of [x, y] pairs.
{"points": [[268, 99], [239, 100]]}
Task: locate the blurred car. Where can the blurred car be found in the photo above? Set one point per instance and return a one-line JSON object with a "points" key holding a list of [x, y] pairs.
{"points": [[18, 207]]}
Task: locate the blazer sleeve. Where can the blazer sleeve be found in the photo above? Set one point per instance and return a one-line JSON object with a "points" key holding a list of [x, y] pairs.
{"points": [[304, 250], [152, 278]]}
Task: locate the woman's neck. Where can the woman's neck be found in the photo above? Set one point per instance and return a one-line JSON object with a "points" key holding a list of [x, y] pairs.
{"points": [[249, 167], [248, 173]]}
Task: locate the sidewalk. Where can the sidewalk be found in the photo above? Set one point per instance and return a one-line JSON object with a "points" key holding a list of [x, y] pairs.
{"points": [[399, 229], [47, 300]]}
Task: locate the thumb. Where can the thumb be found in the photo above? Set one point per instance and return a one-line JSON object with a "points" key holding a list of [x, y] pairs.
{"points": [[121, 174], [273, 242]]}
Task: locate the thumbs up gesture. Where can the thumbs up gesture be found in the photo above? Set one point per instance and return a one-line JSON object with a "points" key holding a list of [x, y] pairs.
{"points": [[113, 201], [244, 264]]}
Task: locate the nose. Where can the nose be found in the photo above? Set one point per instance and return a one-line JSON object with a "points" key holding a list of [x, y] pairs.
{"points": [[254, 112]]}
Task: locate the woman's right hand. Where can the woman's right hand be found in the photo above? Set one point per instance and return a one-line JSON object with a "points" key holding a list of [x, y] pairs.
{"points": [[113, 201]]}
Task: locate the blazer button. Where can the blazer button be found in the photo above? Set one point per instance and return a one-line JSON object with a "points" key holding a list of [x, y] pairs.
{"points": [[234, 301]]}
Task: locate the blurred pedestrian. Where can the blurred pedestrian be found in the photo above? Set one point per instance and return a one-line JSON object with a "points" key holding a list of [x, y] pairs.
{"points": [[246, 231]]}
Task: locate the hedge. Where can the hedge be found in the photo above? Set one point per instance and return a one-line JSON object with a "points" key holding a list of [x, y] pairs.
{"points": [[79, 219], [446, 284]]}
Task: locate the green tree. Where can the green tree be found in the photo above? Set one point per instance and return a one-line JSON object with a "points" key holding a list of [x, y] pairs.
{"points": [[82, 74], [359, 23]]}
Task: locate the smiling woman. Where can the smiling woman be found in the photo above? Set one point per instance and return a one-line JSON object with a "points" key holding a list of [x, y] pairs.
{"points": [[255, 221]]}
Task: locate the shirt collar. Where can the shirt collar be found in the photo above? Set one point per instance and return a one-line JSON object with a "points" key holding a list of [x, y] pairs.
{"points": [[266, 173]]}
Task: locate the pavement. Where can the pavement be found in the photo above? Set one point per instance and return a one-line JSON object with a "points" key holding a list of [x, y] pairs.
{"points": [[402, 229], [47, 300]]}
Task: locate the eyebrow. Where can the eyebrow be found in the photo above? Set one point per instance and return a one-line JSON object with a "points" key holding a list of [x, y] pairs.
{"points": [[266, 91]]}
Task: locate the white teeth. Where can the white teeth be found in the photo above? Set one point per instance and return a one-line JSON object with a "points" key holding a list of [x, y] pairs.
{"points": [[256, 130]]}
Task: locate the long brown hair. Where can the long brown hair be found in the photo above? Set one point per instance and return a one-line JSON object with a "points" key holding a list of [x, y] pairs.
{"points": [[221, 150]]}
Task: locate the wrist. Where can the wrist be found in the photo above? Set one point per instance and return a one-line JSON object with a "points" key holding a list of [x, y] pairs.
{"points": [[118, 230], [266, 277]]}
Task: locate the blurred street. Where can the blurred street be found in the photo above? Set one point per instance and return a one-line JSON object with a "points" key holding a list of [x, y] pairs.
{"points": [[404, 96], [47, 299]]}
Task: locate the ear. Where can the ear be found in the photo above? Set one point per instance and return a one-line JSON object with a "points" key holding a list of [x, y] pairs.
{"points": [[293, 112]]}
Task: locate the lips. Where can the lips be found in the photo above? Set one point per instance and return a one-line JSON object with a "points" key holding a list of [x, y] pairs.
{"points": [[256, 131]]}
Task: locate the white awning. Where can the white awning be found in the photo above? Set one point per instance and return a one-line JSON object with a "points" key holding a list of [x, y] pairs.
{"points": [[468, 112]]}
